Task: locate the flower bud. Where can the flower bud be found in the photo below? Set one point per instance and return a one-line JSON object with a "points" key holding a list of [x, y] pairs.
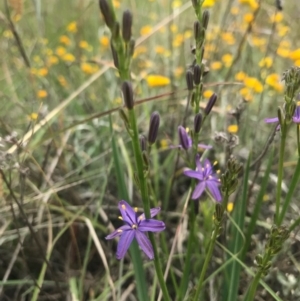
{"points": [[131, 47], [115, 33], [108, 14], [197, 30], [183, 138], [114, 55], [197, 122], [128, 94], [153, 127], [143, 143], [189, 80], [205, 19], [197, 74], [211, 102], [126, 25]]}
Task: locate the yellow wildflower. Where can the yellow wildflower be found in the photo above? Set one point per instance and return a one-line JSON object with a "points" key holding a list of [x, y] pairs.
{"points": [[52, 60], [277, 17], [33, 116], [188, 34], [266, 62], [157, 80], [253, 83], [62, 81], [233, 128], [60, 51], [145, 30], [227, 59], [118, 101], [176, 4], [159, 49], [283, 52], [230, 206], [258, 41], [246, 93], [65, 40], [251, 3], [72, 27], [104, 41], [297, 63], [42, 72], [208, 3], [273, 80], [83, 44], [282, 30], [164, 144], [41, 94], [178, 40], [208, 93], [68, 57], [295, 55], [234, 10], [116, 3], [89, 68], [248, 18], [178, 71], [216, 65], [228, 38], [139, 50], [240, 76]]}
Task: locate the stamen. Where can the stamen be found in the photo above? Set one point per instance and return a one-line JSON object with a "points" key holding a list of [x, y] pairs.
{"points": [[119, 230], [135, 209], [215, 163], [123, 207], [134, 226], [218, 171], [120, 217]]}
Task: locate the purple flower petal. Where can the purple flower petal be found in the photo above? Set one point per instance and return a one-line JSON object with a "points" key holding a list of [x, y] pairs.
{"points": [[118, 232], [271, 120], [198, 164], [204, 146], [153, 212], [151, 225], [144, 243], [198, 190], [193, 174], [128, 214], [214, 190], [124, 243]]}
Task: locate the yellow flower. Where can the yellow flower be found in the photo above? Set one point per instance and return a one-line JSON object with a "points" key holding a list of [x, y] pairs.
{"points": [[283, 52], [145, 30], [159, 49], [41, 94], [164, 144], [8, 34], [282, 30], [297, 63], [216, 65], [33, 116], [253, 83], [234, 10], [208, 93], [208, 3], [139, 50], [258, 41], [104, 41], [273, 80], [83, 44], [266, 62], [72, 27], [60, 51], [68, 57], [116, 3], [157, 80], [178, 40], [42, 72], [227, 59], [246, 93], [117, 101], [176, 4], [248, 18], [178, 71], [278, 17], [252, 3], [52, 60], [240, 76], [233, 128], [295, 55], [89, 68], [65, 40], [228, 38], [188, 34], [62, 81], [230, 206]]}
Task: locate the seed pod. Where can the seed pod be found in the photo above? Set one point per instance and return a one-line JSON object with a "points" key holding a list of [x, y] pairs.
{"points": [[128, 94], [183, 138], [211, 102], [143, 143], [197, 30], [126, 25], [197, 122], [205, 19], [153, 127], [197, 74], [189, 80]]}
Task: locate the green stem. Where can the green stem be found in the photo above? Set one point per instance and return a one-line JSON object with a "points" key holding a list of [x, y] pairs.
{"points": [[253, 287], [145, 198], [280, 173]]}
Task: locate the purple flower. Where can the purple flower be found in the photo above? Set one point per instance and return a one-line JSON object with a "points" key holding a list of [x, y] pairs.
{"points": [[134, 228], [207, 180], [186, 141], [295, 119]]}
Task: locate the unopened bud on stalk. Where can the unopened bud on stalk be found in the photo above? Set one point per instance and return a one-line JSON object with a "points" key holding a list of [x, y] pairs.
{"points": [[114, 55], [205, 19], [128, 94], [126, 25], [108, 14], [195, 3], [153, 127], [197, 122], [211, 102], [183, 138], [197, 30], [143, 143], [189, 80], [115, 33], [131, 47], [197, 74]]}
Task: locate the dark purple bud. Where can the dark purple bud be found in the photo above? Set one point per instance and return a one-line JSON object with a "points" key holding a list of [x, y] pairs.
{"points": [[115, 33], [143, 143], [197, 122], [114, 55], [197, 74], [128, 94], [183, 138], [197, 30], [189, 80], [153, 127], [211, 102], [126, 25], [195, 3], [108, 14], [205, 19]]}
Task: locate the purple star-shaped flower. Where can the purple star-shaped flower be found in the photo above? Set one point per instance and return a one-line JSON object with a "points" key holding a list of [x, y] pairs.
{"points": [[134, 228], [295, 119], [186, 141], [207, 179]]}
